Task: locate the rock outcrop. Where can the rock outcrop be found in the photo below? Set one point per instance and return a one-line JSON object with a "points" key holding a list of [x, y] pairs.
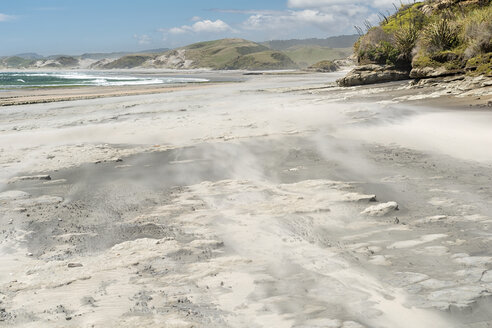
{"points": [[428, 72], [324, 66], [370, 74]]}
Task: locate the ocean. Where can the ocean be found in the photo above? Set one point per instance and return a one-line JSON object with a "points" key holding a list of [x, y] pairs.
{"points": [[12, 80]]}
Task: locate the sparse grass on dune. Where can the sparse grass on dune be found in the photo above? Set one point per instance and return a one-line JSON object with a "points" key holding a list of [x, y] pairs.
{"points": [[130, 61]]}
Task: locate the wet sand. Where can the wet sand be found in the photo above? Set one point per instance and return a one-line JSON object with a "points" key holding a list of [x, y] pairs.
{"points": [[49, 95], [281, 201]]}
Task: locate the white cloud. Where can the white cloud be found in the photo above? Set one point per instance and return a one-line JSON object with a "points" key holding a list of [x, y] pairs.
{"points": [[210, 26], [289, 19], [300, 19], [4, 18], [329, 16], [329, 3], [196, 18], [202, 26], [143, 39]]}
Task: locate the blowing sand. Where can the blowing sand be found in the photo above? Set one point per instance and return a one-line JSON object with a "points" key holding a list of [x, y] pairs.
{"points": [[280, 201]]}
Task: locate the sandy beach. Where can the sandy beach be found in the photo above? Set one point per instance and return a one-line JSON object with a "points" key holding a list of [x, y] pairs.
{"points": [[267, 201]]}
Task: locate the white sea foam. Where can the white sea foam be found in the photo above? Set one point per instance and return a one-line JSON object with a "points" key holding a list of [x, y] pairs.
{"points": [[32, 79]]}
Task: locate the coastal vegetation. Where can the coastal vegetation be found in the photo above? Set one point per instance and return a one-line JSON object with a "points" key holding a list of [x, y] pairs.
{"points": [[440, 37]]}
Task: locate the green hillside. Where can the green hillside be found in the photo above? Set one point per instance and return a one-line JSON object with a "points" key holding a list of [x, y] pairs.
{"points": [[129, 61], [220, 54], [341, 41], [225, 54], [262, 60], [307, 55]]}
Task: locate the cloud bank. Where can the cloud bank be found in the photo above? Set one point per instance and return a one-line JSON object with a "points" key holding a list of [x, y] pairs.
{"points": [[300, 18], [5, 18]]}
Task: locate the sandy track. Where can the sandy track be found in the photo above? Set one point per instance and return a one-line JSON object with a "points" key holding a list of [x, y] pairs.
{"points": [[243, 207]]}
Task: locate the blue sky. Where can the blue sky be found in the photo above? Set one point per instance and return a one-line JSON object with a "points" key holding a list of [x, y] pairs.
{"points": [[78, 26]]}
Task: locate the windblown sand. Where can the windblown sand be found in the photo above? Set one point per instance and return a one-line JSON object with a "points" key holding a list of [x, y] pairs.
{"points": [[275, 202]]}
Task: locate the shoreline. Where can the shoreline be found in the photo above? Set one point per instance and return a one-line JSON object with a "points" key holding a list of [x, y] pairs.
{"points": [[430, 92], [50, 95]]}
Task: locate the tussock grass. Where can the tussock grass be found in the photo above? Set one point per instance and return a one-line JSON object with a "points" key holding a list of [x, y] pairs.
{"points": [[440, 35]]}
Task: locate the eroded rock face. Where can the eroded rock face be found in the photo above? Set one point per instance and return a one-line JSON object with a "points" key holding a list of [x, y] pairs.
{"points": [[428, 72], [370, 74]]}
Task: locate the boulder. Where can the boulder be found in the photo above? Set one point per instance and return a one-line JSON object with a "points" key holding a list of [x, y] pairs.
{"points": [[370, 74], [381, 209]]}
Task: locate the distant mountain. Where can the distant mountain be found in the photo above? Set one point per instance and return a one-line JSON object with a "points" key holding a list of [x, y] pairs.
{"points": [[342, 41]]}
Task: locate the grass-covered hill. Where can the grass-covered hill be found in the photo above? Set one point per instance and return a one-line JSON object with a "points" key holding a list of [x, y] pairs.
{"points": [[432, 38], [333, 42], [234, 54], [218, 54], [222, 54], [307, 55]]}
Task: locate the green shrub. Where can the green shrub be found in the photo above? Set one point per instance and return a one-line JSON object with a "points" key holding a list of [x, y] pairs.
{"points": [[406, 40], [377, 47], [423, 60], [409, 15], [480, 65], [441, 35]]}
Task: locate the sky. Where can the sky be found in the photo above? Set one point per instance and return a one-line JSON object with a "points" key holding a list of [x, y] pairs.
{"points": [[50, 27]]}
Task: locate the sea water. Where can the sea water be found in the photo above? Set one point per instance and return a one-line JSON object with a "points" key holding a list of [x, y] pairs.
{"points": [[10, 80]]}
